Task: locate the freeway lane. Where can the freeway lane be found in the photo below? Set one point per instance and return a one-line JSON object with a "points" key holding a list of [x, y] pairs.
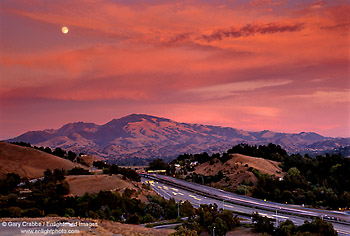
{"points": [[173, 188], [249, 201], [182, 195]]}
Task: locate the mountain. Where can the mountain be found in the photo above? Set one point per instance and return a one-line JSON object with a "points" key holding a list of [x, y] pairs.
{"points": [[135, 138]]}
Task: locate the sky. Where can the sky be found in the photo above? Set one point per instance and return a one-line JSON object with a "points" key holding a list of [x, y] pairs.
{"points": [[279, 65]]}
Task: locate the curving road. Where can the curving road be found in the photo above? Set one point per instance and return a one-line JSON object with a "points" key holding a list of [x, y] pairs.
{"points": [[181, 190]]}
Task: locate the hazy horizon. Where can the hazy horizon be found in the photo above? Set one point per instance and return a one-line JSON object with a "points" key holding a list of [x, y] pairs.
{"points": [[247, 64]]}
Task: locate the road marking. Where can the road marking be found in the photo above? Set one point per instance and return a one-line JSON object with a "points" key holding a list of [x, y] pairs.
{"points": [[280, 216], [196, 198], [174, 189], [228, 206], [342, 231]]}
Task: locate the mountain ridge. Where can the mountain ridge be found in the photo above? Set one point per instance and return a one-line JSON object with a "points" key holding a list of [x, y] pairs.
{"points": [[145, 137]]}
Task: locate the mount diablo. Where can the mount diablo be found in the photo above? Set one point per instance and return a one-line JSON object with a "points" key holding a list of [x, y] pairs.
{"points": [[138, 138]]}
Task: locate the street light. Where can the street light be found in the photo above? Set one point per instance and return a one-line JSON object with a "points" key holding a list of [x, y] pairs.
{"points": [[178, 208], [276, 218], [214, 231]]}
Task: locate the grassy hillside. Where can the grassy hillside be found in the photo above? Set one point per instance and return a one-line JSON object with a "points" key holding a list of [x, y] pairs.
{"points": [[238, 170], [81, 184], [28, 162]]}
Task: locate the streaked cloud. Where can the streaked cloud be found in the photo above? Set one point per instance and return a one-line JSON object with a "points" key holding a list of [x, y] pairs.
{"points": [[250, 30], [234, 88], [328, 96]]}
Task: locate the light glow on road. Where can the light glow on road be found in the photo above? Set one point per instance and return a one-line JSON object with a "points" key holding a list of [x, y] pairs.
{"points": [[278, 216]]}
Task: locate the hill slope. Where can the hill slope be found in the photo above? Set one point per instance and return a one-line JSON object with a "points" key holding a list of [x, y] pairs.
{"points": [[81, 184], [28, 162], [238, 170], [137, 137]]}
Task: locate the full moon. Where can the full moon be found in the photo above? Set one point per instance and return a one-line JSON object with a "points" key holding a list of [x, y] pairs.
{"points": [[65, 30]]}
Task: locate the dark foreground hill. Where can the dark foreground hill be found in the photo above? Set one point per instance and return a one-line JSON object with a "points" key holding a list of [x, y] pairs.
{"points": [[139, 138]]}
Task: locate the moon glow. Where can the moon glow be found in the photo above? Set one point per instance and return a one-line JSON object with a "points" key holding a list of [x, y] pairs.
{"points": [[65, 30]]}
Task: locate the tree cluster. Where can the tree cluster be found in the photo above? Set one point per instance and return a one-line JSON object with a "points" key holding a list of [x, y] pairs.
{"points": [[317, 226], [320, 181], [205, 179], [271, 151], [209, 219], [126, 172]]}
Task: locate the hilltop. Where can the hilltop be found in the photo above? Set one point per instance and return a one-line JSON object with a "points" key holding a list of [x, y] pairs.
{"points": [[238, 170], [138, 138], [29, 162]]}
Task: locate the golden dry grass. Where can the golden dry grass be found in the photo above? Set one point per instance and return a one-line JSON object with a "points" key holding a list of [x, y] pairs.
{"points": [[236, 169], [28, 162], [80, 184]]}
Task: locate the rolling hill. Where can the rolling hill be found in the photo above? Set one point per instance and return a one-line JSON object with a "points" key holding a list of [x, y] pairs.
{"points": [[28, 162], [138, 138], [81, 184], [239, 169]]}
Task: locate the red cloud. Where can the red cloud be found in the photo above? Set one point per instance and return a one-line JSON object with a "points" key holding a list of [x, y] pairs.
{"points": [[250, 30]]}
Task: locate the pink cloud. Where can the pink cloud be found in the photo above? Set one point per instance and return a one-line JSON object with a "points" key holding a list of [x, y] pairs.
{"points": [[251, 30], [233, 64]]}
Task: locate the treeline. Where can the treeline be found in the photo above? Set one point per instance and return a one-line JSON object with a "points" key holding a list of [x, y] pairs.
{"points": [[270, 151], [72, 156], [115, 169], [205, 179]]}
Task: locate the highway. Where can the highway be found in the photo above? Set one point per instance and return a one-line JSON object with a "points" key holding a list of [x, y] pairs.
{"points": [[181, 190]]}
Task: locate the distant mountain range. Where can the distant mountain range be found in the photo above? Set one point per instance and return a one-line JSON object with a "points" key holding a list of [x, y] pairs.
{"points": [[138, 138]]}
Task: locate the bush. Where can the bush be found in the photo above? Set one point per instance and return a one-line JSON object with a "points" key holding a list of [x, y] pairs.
{"points": [[262, 224], [32, 212], [78, 171], [148, 218], [14, 211], [133, 219]]}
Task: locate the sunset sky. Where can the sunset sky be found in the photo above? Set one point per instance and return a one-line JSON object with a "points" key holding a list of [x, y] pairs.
{"points": [[280, 65]]}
